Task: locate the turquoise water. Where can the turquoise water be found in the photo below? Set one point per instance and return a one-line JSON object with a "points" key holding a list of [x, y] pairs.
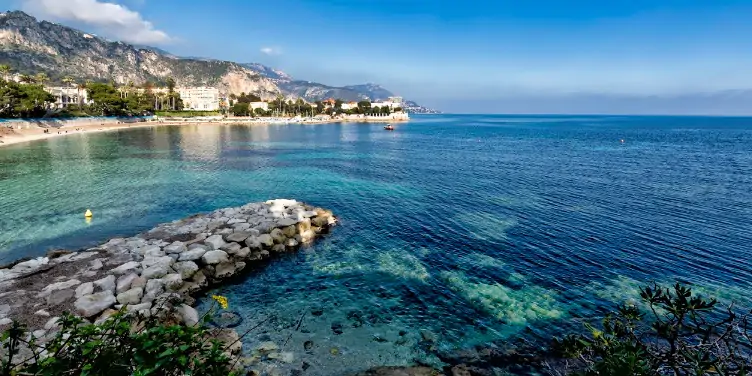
{"points": [[475, 228]]}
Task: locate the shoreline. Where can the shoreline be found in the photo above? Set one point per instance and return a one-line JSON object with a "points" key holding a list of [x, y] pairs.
{"points": [[36, 133]]}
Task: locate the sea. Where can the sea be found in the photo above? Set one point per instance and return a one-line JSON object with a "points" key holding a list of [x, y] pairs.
{"points": [[454, 230]]}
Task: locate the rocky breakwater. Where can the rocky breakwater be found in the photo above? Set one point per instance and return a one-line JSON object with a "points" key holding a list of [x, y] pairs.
{"points": [[170, 263]]}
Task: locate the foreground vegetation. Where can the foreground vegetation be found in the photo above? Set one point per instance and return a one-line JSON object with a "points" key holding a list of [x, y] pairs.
{"points": [[122, 345], [676, 333]]}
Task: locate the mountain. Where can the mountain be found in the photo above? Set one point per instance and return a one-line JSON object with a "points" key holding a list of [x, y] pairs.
{"points": [[313, 91], [31, 46], [372, 91]]}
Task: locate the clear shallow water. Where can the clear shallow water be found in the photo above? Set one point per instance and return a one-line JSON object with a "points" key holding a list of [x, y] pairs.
{"points": [[473, 227]]}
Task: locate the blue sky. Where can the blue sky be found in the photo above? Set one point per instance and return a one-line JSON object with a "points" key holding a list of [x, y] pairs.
{"points": [[633, 56]]}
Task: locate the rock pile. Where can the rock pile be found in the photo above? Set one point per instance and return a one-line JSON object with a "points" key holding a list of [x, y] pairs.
{"points": [[173, 261]]}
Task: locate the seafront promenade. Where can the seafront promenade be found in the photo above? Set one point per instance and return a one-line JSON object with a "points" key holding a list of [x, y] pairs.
{"points": [[18, 131]]}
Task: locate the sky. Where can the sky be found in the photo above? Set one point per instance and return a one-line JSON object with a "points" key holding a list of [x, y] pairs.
{"points": [[522, 56]]}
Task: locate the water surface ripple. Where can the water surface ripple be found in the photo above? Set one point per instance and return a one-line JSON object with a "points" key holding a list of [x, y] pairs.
{"points": [[472, 227]]}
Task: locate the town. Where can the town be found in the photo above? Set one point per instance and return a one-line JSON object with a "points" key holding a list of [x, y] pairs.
{"points": [[32, 97]]}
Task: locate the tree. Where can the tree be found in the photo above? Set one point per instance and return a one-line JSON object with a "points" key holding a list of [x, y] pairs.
{"points": [[240, 109], [676, 332], [26, 79], [106, 98], [338, 104], [68, 80], [23, 100], [170, 85], [41, 78], [5, 70], [171, 92], [148, 87], [259, 111]]}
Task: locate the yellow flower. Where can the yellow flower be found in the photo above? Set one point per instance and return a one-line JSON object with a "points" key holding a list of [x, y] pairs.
{"points": [[221, 300]]}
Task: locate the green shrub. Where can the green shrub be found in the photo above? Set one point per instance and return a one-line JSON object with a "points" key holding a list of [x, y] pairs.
{"points": [[121, 345], [680, 334]]}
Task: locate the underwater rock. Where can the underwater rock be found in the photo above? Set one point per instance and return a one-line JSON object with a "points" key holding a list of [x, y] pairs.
{"points": [[226, 319]]}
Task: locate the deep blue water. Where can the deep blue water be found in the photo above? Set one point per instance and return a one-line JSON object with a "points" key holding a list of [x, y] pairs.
{"points": [[473, 227]]}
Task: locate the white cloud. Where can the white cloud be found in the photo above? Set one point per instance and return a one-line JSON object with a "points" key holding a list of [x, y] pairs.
{"points": [[108, 18], [271, 50]]}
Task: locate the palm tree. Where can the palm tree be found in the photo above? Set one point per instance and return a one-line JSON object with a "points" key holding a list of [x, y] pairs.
{"points": [[68, 80], [5, 70], [171, 90], [26, 79], [79, 87], [41, 78]]}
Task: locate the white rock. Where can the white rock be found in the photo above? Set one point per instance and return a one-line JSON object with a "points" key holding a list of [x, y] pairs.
{"points": [[226, 269], [90, 305], [192, 254], [282, 202], [309, 214], [214, 257], [132, 296], [186, 269], [106, 284], [307, 236], [286, 357], [231, 248], [291, 243], [149, 249], [241, 253], [214, 241], [266, 240], [52, 323], [154, 288], [156, 271], [188, 314], [31, 264], [96, 264], [154, 252], [175, 247], [173, 281], [267, 347], [139, 282], [58, 286], [124, 282], [6, 321], [160, 260], [138, 307], [128, 267], [284, 222], [84, 289], [42, 313], [253, 243]]}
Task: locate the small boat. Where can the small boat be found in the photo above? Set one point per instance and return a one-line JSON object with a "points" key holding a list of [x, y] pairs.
{"points": [[389, 127]]}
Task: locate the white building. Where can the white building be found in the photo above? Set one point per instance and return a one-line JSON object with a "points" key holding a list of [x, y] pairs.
{"points": [[68, 96], [262, 105], [199, 98], [349, 105]]}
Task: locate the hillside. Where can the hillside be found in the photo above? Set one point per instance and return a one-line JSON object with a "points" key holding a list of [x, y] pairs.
{"points": [[31, 46]]}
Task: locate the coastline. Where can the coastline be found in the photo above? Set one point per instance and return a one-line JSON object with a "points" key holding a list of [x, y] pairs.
{"points": [[80, 126]]}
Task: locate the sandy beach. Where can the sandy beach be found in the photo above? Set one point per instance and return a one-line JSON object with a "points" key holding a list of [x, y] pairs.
{"points": [[32, 132]]}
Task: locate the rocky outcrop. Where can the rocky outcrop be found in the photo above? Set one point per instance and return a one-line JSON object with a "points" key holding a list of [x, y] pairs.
{"points": [[32, 46], [172, 262]]}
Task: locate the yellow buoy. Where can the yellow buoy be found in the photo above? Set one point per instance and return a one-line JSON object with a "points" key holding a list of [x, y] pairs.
{"points": [[88, 214]]}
